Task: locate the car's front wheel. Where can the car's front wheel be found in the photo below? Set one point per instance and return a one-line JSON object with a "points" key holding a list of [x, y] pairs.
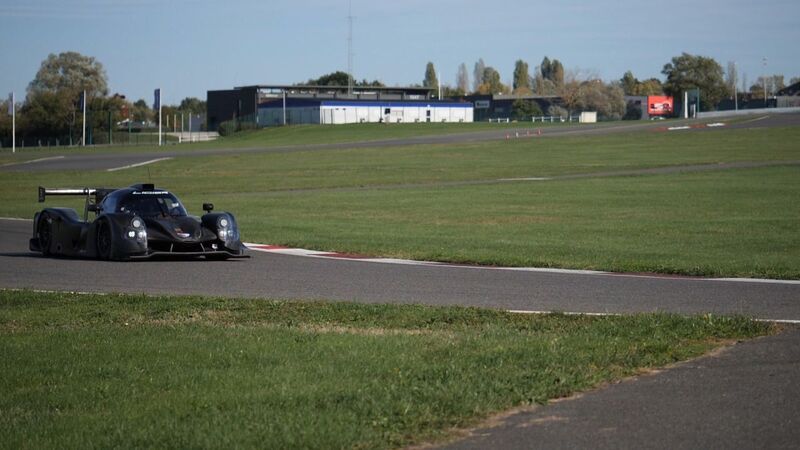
{"points": [[104, 241], [44, 231]]}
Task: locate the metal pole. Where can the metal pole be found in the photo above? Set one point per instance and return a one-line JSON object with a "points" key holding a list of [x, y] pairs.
{"points": [[765, 82], [284, 106], [159, 121], [110, 138], [13, 125], [83, 139], [735, 96]]}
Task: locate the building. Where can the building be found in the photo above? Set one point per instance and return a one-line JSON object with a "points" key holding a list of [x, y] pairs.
{"points": [[269, 105], [501, 106]]}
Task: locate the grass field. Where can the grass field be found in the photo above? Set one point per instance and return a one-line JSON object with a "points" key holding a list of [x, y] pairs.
{"points": [[728, 223], [297, 135], [90, 371]]}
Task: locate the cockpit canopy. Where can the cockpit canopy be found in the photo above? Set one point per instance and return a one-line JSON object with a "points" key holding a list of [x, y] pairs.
{"points": [[144, 203]]}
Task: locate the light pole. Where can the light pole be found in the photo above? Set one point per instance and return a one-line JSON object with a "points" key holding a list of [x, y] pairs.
{"points": [[765, 81], [735, 96]]}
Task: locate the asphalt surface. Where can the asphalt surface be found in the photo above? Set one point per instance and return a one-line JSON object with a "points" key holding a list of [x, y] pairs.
{"points": [[64, 161], [296, 277], [747, 396]]}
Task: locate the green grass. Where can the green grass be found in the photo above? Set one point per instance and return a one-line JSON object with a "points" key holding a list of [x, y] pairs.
{"points": [[90, 371], [727, 223], [302, 135]]}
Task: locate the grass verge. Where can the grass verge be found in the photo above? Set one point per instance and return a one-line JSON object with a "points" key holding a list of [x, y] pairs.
{"points": [[134, 371]]}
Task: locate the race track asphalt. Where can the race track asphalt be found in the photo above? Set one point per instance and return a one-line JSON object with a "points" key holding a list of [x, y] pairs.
{"points": [[296, 277]]}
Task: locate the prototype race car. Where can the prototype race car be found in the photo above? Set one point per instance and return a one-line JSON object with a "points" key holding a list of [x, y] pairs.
{"points": [[133, 223]]}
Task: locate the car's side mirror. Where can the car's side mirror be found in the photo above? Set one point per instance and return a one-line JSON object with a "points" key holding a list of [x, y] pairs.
{"points": [[208, 207]]}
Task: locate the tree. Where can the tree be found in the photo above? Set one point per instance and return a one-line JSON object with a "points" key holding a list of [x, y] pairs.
{"points": [[477, 75], [523, 109], [52, 97], [462, 79], [731, 77], [431, 80], [557, 73], [141, 112], [773, 83], [607, 99], [69, 74], [632, 86], [521, 83], [546, 68], [688, 72], [193, 105], [491, 83], [340, 78], [629, 83]]}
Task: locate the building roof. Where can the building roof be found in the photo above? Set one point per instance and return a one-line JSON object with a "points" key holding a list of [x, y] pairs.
{"points": [[342, 89]]}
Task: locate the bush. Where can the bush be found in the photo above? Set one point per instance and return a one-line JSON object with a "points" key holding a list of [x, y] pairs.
{"points": [[228, 127], [632, 112], [525, 109], [557, 111]]}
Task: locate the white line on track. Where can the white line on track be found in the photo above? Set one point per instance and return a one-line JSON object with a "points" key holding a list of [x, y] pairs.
{"points": [[49, 158], [526, 179], [131, 166], [756, 119]]}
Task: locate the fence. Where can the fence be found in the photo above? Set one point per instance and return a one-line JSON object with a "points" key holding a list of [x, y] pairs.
{"points": [[543, 119]]}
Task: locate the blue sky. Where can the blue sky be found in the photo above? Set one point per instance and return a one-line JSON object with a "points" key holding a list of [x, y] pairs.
{"points": [[187, 47]]}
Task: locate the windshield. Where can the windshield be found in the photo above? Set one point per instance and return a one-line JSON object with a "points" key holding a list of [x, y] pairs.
{"points": [[152, 205]]}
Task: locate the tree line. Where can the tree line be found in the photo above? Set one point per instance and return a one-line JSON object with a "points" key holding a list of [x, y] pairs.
{"points": [[52, 109], [586, 91]]}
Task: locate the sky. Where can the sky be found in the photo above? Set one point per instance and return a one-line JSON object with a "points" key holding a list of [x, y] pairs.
{"points": [[186, 47]]}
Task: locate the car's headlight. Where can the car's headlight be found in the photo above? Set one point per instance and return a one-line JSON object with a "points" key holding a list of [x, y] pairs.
{"points": [[137, 230], [226, 230]]}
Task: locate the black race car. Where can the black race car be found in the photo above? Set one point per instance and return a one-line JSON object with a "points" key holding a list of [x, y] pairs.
{"points": [[133, 223]]}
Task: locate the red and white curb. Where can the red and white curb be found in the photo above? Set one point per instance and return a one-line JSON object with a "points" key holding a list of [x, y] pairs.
{"points": [[277, 249]]}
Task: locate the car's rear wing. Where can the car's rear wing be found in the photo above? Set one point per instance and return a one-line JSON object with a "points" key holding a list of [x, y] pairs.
{"points": [[97, 193], [44, 192]]}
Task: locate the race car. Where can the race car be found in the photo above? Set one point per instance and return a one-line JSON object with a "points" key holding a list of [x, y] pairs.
{"points": [[136, 222]]}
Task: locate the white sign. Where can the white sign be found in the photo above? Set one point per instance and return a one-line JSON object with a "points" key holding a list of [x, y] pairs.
{"points": [[482, 104]]}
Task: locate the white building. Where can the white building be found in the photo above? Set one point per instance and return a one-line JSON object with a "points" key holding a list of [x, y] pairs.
{"points": [[334, 112]]}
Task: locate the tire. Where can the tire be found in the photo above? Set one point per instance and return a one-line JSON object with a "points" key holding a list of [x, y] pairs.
{"points": [[44, 231], [104, 241]]}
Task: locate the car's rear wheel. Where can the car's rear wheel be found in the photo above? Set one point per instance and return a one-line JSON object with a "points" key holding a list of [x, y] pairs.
{"points": [[104, 240], [44, 231]]}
